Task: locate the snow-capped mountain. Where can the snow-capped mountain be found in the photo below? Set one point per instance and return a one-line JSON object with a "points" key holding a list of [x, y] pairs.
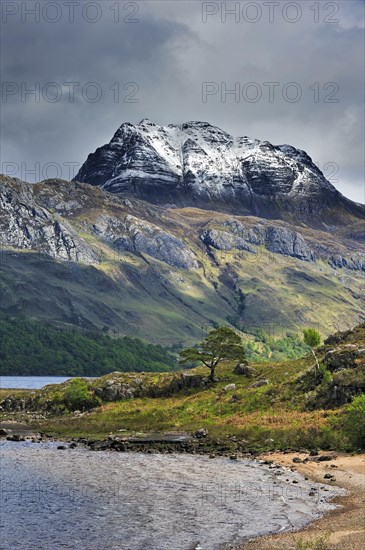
{"points": [[197, 164], [103, 256]]}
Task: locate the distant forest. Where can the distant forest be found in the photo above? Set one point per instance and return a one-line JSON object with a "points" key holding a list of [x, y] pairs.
{"points": [[33, 349]]}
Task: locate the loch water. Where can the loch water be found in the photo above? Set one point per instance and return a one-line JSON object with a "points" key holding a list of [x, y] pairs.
{"points": [[80, 499], [30, 382]]}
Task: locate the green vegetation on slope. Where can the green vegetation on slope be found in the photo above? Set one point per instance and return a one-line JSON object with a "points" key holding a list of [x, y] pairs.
{"points": [[137, 293], [274, 406], [33, 349], [266, 348], [29, 348]]}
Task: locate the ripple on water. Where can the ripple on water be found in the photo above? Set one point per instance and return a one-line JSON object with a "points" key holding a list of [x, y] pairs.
{"points": [[78, 499]]}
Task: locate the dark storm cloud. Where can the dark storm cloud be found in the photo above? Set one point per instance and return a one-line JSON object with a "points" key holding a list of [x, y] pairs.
{"points": [[159, 66]]}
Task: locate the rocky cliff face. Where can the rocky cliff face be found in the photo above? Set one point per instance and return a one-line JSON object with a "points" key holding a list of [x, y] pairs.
{"points": [[197, 164], [138, 236], [26, 224], [42, 218], [276, 239]]}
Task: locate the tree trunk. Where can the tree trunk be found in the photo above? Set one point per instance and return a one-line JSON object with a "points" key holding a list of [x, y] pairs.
{"points": [[315, 357], [211, 376]]}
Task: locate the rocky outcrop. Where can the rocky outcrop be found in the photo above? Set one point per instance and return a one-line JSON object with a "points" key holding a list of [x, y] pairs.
{"points": [[28, 221], [115, 391], [141, 237], [345, 357], [112, 389], [279, 240], [117, 388], [27, 225], [340, 336], [29, 404], [355, 262], [289, 243], [180, 382], [222, 240], [340, 378]]}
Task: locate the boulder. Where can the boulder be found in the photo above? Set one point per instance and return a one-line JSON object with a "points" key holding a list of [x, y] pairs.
{"points": [[323, 458], [100, 445], [15, 437], [230, 387], [9, 403], [259, 383], [119, 446], [201, 433], [244, 370]]}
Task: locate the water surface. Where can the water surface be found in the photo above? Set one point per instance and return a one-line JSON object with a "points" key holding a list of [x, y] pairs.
{"points": [[79, 499], [30, 382]]}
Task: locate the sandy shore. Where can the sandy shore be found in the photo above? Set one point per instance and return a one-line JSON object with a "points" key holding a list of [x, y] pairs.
{"points": [[343, 528]]}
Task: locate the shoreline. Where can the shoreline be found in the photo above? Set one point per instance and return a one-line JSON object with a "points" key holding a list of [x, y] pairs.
{"points": [[339, 529]]}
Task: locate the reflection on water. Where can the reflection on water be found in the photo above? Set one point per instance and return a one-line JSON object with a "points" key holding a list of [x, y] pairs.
{"points": [[79, 499]]}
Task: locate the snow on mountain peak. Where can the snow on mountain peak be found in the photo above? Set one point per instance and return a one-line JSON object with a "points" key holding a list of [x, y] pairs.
{"points": [[199, 164]]}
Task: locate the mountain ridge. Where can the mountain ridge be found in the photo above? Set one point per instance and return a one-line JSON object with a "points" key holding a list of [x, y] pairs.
{"points": [[198, 164], [75, 254]]}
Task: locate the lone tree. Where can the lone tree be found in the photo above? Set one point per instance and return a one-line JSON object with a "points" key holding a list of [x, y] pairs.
{"points": [[221, 344], [312, 338]]}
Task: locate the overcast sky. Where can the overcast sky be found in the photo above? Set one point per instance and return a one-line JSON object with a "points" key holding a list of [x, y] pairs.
{"points": [[174, 61]]}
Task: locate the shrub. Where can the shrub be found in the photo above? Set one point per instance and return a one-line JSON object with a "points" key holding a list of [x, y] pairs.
{"points": [[319, 543], [312, 337], [326, 376], [354, 422], [78, 397]]}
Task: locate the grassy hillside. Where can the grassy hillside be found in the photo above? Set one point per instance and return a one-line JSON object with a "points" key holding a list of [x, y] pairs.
{"points": [[163, 305], [296, 406], [33, 349], [137, 295]]}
